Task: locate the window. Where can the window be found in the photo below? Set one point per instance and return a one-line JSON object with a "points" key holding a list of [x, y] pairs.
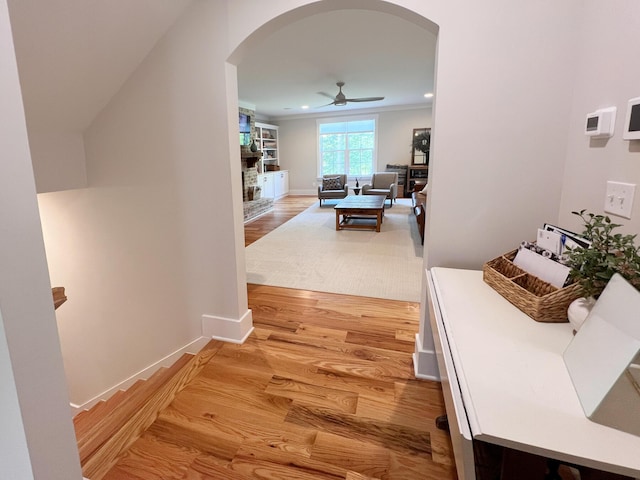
{"points": [[347, 146]]}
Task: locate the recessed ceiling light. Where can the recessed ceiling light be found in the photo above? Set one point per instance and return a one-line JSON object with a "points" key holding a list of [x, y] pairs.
{"points": [[304, 107], [428, 95]]}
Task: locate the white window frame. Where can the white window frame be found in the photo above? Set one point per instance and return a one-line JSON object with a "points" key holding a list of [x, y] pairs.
{"points": [[344, 119]]}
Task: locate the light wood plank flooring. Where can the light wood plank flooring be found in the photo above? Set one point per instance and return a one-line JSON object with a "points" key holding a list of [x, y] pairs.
{"points": [[283, 210], [323, 389]]}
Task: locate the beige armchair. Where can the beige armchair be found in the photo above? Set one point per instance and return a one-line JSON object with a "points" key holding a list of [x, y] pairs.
{"points": [[333, 187], [383, 183]]}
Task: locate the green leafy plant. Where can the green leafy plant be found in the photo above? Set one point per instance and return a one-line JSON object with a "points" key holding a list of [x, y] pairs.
{"points": [[609, 253]]}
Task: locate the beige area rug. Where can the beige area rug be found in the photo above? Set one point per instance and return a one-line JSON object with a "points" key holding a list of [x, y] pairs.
{"points": [[308, 253]]}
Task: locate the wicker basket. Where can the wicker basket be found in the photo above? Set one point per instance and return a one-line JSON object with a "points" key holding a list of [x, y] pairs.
{"points": [[540, 300]]}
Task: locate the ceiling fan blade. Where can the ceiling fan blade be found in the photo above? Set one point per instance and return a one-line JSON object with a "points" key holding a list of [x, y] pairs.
{"points": [[324, 94], [365, 99], [340, 99], [326, 105]]}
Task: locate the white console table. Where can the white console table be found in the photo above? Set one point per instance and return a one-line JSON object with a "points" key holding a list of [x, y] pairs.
{"points": [[505, 382]]}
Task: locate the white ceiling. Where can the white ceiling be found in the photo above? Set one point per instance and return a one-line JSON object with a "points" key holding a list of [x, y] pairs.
{"points": [[375, 54], [74, 55]]}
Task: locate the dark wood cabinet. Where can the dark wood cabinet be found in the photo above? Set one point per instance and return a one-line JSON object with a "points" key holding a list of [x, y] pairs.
{"points": [[417, 175]]}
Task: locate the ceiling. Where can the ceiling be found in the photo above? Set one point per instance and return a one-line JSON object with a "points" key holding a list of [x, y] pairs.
{"points": [[375, 54], [74, 55]]}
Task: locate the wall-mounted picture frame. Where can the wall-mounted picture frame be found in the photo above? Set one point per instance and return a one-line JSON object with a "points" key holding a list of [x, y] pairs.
{"points": [[420, 146]]}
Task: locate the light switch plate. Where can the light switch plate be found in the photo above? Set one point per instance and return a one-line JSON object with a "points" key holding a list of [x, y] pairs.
{"points": [[619, 198]]}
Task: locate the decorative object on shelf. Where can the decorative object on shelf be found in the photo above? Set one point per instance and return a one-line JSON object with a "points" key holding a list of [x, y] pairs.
{"points": [[609, 253], [357, 184], [253, 147], [421, 143], [579, 310]]}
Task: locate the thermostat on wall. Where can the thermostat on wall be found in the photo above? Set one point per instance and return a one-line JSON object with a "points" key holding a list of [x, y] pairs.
{"points": [[632, 122], [600, 123]]}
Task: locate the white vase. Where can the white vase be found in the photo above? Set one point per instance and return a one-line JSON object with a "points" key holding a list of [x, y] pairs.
{"points": [[578, 311]]}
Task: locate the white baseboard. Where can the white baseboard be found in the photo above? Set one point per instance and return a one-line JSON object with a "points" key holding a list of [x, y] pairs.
{"points": [[228, 329], [425, 363], [219, 328], [193, 348]]}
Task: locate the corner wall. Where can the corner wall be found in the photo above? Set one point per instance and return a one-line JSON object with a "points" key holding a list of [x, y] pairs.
{"points": [[58, 159], [607, 75], [149, 247]]}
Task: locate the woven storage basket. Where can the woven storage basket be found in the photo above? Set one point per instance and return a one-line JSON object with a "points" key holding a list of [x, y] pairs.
{"points": [[540, 300]]}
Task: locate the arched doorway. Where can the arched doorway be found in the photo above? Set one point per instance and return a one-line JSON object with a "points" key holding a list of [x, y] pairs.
{"points": [[278, 22]]}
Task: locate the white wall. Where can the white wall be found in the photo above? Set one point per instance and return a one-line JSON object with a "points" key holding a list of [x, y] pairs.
{"points": [[299, 145], [149, 247], [34, 408], [58, 159], [14, 453], [396, 134], [607, 74]]}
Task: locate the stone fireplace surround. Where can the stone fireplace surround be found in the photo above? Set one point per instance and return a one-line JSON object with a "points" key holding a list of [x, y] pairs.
{"points": [[253, 204], [250, 184], [257, 205]]}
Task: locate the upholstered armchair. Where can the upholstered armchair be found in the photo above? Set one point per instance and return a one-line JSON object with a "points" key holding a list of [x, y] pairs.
{"points": [[333, 187], [383, 183]]}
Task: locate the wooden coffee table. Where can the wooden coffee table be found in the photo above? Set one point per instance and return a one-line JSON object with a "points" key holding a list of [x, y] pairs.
{"points": [[360, 211]]}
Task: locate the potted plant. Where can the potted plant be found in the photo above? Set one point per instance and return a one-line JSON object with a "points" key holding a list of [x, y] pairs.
{"points": [[594, 266]]}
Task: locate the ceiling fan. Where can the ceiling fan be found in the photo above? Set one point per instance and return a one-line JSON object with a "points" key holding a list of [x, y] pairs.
{"points": [[341, 100]]}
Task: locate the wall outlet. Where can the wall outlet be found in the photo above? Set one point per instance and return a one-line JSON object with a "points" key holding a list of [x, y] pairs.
{"points": [[619, 198]]}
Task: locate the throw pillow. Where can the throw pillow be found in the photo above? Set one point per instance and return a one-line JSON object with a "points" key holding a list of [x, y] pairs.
{"points": [[331, 183]]}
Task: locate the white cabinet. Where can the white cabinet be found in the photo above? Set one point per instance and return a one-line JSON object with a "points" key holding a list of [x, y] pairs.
{"points": [[281, 183], [274, 184], [266, 181], [508, 382], [267, 139]]}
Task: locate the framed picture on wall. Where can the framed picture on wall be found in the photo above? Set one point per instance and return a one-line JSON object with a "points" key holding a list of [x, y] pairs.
{"points": [[420, 144]]}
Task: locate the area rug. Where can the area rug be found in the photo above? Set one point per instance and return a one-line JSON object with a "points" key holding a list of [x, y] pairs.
{"points": [[308, 253]]}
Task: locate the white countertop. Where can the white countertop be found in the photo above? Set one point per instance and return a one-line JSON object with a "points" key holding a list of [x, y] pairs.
{"points": [[515, 386]]}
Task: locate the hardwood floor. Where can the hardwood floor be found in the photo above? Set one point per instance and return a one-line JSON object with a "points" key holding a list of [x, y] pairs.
{"points": [[283, 210], [322, 389]]}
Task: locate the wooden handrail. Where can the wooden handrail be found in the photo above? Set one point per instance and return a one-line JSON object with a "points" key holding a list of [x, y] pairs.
{"points": [[58, 296]]}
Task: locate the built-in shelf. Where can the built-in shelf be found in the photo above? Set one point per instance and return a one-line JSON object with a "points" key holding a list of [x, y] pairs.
{"points": [[267, 140]]}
